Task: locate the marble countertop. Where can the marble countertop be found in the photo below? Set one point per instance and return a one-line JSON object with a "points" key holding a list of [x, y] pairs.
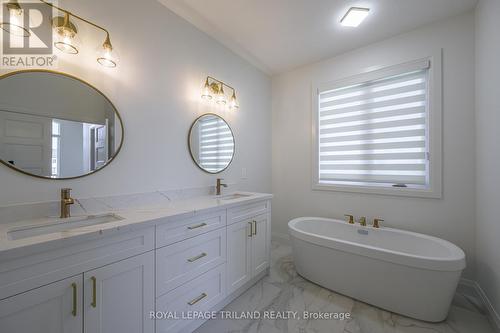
{"points": [[132, 218]]}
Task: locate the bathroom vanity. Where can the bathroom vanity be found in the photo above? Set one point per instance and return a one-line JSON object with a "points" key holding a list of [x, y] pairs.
{"points": [[114, 272]]}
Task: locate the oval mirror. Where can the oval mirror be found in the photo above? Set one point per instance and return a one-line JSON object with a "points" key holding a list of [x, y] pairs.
{"points": [[211, 143], [56, 126]]}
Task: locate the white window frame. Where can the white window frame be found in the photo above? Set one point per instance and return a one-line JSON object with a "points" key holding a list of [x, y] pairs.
{"points": [[434, 129]]}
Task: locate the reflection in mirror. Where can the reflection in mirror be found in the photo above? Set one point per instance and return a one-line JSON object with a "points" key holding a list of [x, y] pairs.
{"points": [[211, 143], [56, 126]]}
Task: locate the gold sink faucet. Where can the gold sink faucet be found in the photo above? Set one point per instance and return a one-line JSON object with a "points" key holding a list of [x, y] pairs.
{"points": [[219, 185], [66, 202]]}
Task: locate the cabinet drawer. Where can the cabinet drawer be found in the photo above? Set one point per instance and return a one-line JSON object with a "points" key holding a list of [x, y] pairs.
{"points": [[240, 213], [37, 269], [174, 231], [183, 261], [200, 294]]}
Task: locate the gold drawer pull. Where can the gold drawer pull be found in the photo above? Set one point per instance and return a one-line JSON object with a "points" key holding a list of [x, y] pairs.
{"points": [[197, 226], [94, 292], [73, 311], [197, 299], [201, 255]]}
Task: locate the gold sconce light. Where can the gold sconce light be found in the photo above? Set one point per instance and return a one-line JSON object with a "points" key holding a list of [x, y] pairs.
{"points": [[66, 37], [15, 26], [214, 89]]}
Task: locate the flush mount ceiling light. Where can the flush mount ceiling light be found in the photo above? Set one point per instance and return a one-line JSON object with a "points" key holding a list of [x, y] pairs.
{"points": [[214, 89], [354, 16]]}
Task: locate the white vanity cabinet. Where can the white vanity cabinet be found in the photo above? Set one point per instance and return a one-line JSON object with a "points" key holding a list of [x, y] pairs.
{"points": [[112, 281], [119, 297], [115, 298], [206, 260], [112, 291], [54, 308], [248, 246]]}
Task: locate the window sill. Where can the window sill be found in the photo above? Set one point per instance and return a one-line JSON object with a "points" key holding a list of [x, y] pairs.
{"points": [[381, 190]]}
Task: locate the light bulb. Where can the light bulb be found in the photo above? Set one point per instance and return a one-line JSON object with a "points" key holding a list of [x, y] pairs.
{"points": [[107, 57], [206, 93], [221, 97], [66, 39], [233, 102], [15, 26]]}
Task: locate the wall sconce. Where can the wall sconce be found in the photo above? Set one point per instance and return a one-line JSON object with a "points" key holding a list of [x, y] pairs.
{"points": [[66, 34], [214, 89], [15, 25]]}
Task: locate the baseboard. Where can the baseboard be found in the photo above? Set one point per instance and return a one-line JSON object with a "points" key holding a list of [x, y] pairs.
{"points": [[280, 237], [475, 290]]}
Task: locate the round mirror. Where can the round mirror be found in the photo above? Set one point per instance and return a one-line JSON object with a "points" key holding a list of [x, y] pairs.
{"points": [[211, 143], [56, 126]]}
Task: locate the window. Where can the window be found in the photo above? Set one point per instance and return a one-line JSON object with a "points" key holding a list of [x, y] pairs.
{"points": [[373, 134]]}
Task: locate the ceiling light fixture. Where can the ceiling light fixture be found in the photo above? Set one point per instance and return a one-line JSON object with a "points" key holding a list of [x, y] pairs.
{"points": [[214, 89], [354, 16]]}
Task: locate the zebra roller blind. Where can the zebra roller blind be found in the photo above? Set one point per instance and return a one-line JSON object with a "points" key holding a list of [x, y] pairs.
{"points": [[375, 132], [216, 143]]}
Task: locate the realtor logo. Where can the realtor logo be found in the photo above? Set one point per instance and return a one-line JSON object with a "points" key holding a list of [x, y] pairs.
{"points": [[26, 35]]}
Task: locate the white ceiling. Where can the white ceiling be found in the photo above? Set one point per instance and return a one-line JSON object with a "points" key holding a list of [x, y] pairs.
{"points": [[279, 35]]}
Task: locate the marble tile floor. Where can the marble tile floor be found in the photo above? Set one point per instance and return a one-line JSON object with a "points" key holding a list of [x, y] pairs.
{"points": [[284, 290]]}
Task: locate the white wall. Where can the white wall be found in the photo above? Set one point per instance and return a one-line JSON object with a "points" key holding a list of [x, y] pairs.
{"points": [[488, 152], [52, 96], [452, 217], [163, 64]]}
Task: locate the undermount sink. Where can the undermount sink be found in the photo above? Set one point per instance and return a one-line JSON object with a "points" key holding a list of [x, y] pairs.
{"points": [[58, 225], [234, 196]]}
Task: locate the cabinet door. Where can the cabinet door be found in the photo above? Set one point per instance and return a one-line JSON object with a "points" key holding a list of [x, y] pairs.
{"points": [[119, 297], [260, 244], [54, 308], [239, 255]]}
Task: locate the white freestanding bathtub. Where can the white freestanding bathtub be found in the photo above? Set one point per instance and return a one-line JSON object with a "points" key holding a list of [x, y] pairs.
{"points": [[404, 272]]}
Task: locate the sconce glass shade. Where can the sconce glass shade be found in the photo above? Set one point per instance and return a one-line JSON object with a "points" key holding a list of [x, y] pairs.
{"points": [[233, 102], [15, 26], [221, 96], [66, 36], [206, 92], [107, 57]]}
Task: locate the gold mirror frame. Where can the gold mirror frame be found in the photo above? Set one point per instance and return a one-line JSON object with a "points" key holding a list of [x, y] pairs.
{"points": [[189, 143], [92, 87]]}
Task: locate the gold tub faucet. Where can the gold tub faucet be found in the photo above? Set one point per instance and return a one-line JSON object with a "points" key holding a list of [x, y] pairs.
{"points": [[362, 221], [376, 223], [351, 218]]}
